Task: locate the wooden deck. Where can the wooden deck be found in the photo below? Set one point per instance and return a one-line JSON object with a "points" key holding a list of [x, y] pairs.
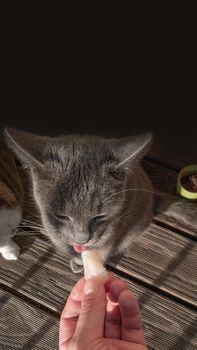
{"points": [[161, 270]]}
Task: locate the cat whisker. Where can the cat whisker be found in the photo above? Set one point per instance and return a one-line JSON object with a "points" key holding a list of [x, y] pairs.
{"points": [[32, 223], [30, 227], [26, 234], [26, 222], [139, 189], [20, 229], [32, 234], [123, 191]]}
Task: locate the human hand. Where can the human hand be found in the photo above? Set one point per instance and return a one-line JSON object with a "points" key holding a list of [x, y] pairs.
{"points": [[90, 321]]}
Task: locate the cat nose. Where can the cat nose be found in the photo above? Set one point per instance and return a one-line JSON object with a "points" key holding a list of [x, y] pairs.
{"points": [[82, 241]]}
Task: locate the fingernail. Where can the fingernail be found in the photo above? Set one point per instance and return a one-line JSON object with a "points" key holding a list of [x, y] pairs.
{"points": [[93, 287]]}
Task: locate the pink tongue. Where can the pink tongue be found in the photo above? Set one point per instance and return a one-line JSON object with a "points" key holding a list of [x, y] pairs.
{"points": [[79, 248]]}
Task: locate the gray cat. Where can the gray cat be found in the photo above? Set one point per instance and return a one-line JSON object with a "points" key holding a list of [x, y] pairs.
{"points": [[90, 191]]}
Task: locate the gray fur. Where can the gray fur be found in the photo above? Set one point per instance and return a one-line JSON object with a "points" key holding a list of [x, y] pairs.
{"points": [[79, 178], [83, 177]]}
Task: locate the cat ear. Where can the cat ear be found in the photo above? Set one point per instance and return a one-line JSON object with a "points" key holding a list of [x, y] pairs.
{"points": [[27, 147], [130, 150]]}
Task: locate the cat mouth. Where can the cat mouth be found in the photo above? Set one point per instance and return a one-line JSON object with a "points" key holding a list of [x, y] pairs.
{"points": [[80, 248]]}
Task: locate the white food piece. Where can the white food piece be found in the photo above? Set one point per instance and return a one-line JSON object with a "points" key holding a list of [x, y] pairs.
{"points": [[93, 267]]}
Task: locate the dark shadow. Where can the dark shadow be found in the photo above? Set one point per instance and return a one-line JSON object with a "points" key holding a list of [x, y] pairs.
{"points": [[35, 267], [35, 338], [40, 333], [182, 341], [4, 299], [18, 284], [190, 332], [24, 242], [165, 273], [168, 270]]}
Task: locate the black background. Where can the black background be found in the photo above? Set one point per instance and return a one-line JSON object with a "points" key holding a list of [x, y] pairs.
{"points": [[118, 115], [114, 78]]}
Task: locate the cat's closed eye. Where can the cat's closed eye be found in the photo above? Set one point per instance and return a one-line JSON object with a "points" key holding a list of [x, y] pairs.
{"points": [[96, 222], [61, 217]]}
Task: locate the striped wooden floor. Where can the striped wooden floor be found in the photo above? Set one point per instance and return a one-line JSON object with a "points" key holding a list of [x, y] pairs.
{"points": [[161, 270]]}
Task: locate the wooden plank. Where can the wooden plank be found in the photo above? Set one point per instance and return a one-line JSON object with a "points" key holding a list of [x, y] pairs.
{"points": [[173, 151], [24, 327], [165, 260], [160, 258], [40, 274], [167, 324], [181, 228], [163, 179], [45, 277], [164, 184]]}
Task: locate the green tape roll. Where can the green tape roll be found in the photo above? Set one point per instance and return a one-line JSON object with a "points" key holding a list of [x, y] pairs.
{"points": [[182, 191]]}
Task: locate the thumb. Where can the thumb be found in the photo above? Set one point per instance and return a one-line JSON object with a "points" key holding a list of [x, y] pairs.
{"points": [[91, 319]]}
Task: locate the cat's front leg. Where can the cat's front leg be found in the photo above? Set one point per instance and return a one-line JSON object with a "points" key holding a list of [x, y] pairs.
{"points": [[9, 250], [76, 264]]}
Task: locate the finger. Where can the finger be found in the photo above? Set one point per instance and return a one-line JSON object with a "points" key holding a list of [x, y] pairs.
{"points": [[91, 319], [131, 321], [124, 345], [116, 287], [74, 300], [111, 278], [112, 321], [70, 313], [66, 331], [113, 316]]}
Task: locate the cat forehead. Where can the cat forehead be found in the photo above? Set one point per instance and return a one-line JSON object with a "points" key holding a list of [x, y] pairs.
{"points": [[83, 149], [78, 169]]}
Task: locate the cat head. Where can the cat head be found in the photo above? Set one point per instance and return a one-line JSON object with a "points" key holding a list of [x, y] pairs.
{"points": [[78, 181]]}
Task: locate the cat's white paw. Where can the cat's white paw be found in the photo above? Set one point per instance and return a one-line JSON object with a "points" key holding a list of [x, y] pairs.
{"points": [[10, 253], [76, 265]]}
